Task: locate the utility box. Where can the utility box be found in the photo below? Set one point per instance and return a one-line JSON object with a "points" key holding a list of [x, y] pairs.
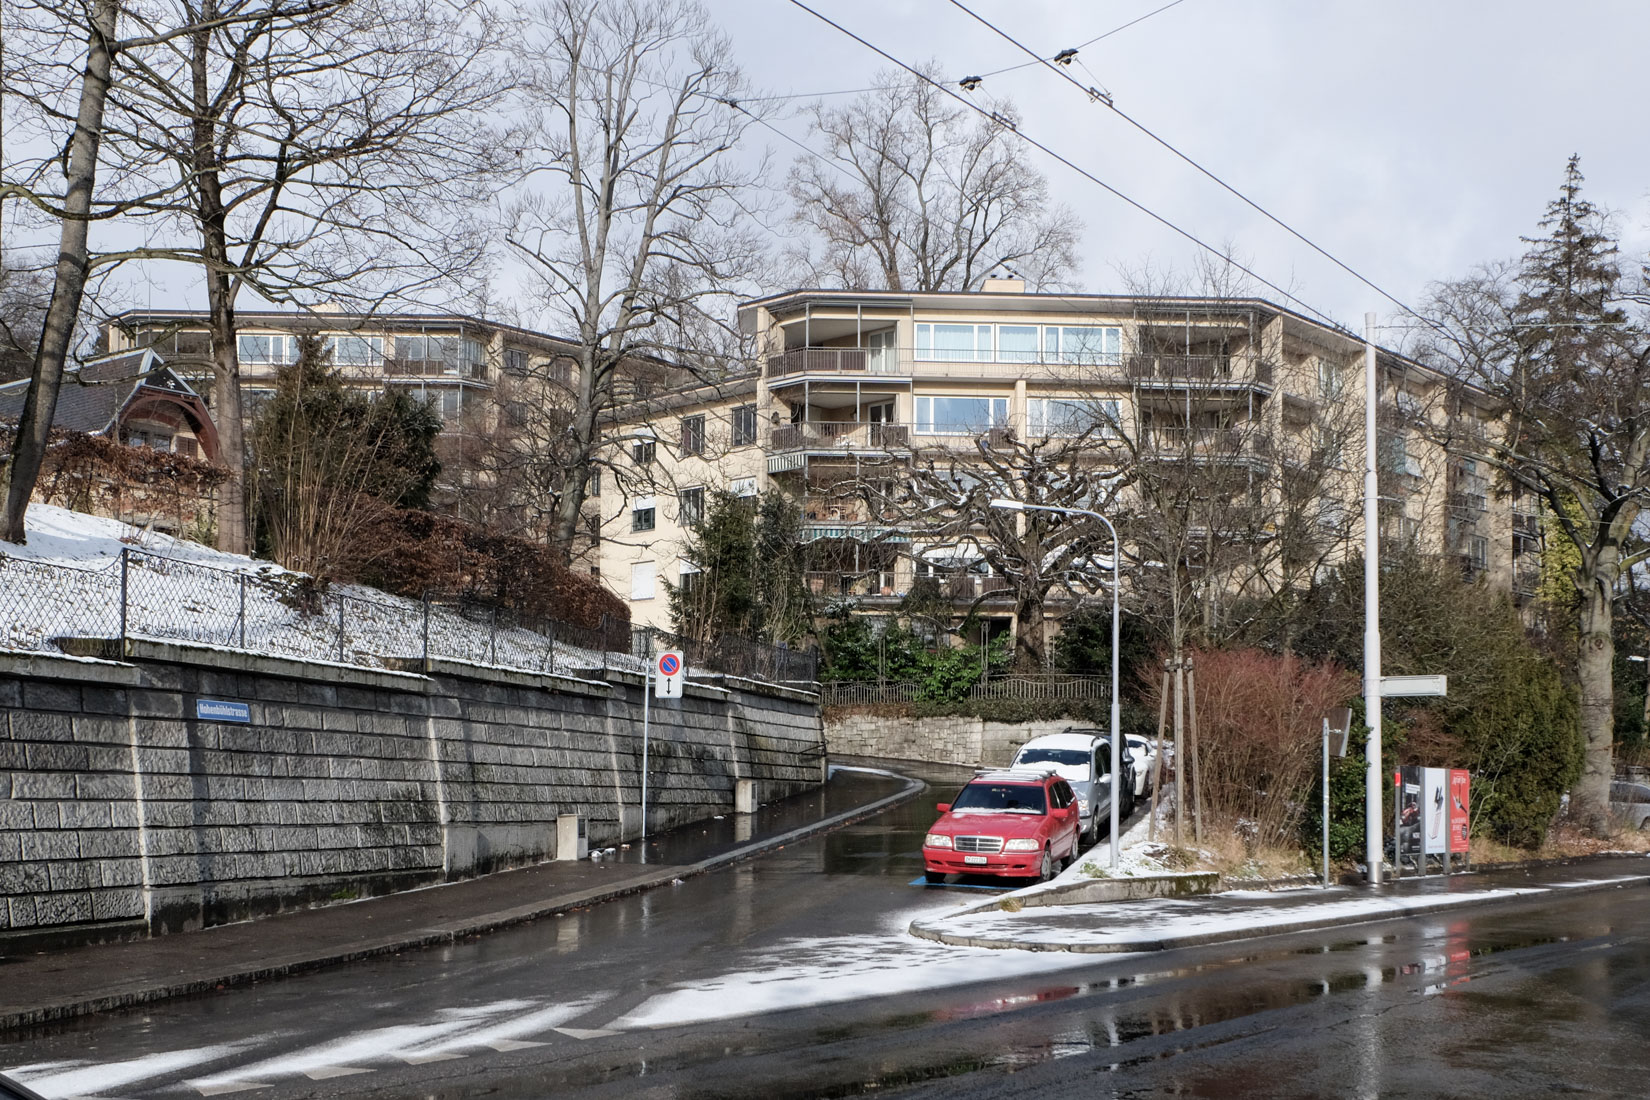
{"points": [[744, 796], [571, 840]]}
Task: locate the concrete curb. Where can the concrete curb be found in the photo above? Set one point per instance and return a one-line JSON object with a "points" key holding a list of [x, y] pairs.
{"points": [[926, 931], [447, 933]]}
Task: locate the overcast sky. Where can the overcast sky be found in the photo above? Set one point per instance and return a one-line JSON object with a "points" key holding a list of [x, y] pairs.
{"points": [[1410, 138]]}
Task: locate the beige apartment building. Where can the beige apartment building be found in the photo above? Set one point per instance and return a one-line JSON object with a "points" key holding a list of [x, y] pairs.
{"points": [[850, 389]]}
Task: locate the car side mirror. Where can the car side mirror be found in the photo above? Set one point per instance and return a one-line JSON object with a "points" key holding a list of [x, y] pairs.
{"points": [[943, 807]]}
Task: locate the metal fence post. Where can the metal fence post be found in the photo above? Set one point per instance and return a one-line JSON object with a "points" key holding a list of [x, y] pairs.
{"points": [[125, 559], [243, 610], [548, 628], [492, 635], [340, 629], [426, 631]]}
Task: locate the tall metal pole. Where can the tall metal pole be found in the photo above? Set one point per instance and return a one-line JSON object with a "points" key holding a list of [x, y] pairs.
{"points": [[647, 690], [1116, 704], [1374, 847], [1326, 803]]}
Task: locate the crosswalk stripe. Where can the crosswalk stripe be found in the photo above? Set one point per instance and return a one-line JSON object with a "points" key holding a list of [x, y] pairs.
{"points": [[422, 1059], [237, 1086], [325, 1073], [506, 1045], [585, 1032]]}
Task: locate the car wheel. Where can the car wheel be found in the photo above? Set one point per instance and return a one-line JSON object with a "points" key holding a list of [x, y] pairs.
{"points": [[1045, 871], [933, 878]]}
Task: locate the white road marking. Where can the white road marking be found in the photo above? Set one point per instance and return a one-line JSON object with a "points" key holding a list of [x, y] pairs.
{"points": [[65, 1079], [224, 1090], [422, 1059], [586, 1032], [504, 1046], [327, 1073]]}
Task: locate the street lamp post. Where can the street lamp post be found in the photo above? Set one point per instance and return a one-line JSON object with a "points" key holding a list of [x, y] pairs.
{"points": [[1116, 723]]}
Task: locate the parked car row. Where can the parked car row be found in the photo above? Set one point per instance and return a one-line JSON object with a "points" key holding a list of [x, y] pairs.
{"points": [[1036, 816]]}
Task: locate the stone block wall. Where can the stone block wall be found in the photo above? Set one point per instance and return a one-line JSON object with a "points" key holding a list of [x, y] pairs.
{"points": [[118, 804], [947, 740]]}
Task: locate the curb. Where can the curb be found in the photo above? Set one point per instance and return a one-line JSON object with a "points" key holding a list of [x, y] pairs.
{"points": [[452, 932], [1204, 939]]}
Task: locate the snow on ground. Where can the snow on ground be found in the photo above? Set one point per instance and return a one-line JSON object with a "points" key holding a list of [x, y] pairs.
{"points": [[823, 970], [66, 581]]}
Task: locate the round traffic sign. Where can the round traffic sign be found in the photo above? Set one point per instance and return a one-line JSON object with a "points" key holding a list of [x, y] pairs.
{"points": [[669, 664]]}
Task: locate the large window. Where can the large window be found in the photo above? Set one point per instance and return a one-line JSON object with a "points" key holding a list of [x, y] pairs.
{"points": [[693, 434], [642, 514], [960, 415], [690, 506], [744, 425], [453, 353], [1053, 417], [1017, 343], [1087, 344], [356, 351], [267, 349], [642, 451], [954, 343]]}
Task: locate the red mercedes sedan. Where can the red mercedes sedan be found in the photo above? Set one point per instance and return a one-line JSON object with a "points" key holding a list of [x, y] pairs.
{"points": [[1017, 824]]}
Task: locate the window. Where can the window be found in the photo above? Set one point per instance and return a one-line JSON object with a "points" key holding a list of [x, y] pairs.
{"points": [[356, 351], [1476, 549], [742, 486], [641, 514], [1017, 343], [593, 487], [954, 343], [881, 356], [690, 506], [452, 403], [1052, 417], [744, 425], [642, 451], [266, 349], [1091, 344], [960, 415], [1329, 379], [642, 580], [515, 362], [693, 434], [516, 413], [687, 581]]}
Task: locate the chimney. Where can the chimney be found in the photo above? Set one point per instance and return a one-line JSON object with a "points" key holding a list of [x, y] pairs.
{"points": [[1003, 286]]}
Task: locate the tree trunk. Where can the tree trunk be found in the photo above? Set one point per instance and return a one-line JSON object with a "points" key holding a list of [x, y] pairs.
{"points": [[1028, 633], [1595, 658], [73, 259]]}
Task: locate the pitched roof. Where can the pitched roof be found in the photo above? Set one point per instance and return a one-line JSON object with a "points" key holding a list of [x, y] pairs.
{"points": [[94, 393]]}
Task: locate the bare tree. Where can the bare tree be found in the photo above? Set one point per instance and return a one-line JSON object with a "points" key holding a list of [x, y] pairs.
{"points": [[313, 151], [916, 193], [633, 211], [1551, 339], [80, 163]]}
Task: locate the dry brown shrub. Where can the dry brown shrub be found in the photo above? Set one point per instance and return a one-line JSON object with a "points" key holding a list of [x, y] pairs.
{"points": [[1259, 719]]}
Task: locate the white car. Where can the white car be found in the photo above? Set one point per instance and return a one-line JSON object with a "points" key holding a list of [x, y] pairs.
{"points": [[1081, 759], [1145, 761], [1631, 803]]}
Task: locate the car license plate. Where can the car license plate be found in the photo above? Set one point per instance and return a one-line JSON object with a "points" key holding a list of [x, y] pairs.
{"points": [[973, 859]]}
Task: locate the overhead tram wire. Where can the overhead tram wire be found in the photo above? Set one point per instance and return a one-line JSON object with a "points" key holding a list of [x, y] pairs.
{"points": [[1094, 96], [1085, 173]]}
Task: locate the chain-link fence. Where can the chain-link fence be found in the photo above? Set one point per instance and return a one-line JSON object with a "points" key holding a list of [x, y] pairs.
{"points": [[734, 656], [270, 611], [144, 595]]}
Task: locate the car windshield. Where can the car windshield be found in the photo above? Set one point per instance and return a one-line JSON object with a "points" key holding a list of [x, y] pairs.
{"points": [[1013, 797], [1052, 756]]}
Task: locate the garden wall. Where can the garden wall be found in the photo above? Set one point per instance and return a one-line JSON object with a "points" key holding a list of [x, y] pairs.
{"points": [[129, 795], [947, 740]]}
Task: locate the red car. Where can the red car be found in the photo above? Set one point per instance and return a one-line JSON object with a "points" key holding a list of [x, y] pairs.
{"points": [[1018, 824]]}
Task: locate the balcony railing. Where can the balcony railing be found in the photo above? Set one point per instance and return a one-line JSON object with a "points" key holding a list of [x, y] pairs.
{"points": [[433, 368], [853, 361], [1184, 369], [1206, 442], [1156, 370], [839, 435], [1468, 504]]}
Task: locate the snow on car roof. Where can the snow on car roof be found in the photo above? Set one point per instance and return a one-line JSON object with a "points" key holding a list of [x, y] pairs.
{"points": [[1061, 741], [1030, 773]]}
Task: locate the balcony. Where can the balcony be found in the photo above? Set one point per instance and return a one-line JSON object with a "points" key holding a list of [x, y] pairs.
{"points": [[1178, 371], [1208, 444], [839, 436], [433, 368], [854, 362], [1468, 505]]}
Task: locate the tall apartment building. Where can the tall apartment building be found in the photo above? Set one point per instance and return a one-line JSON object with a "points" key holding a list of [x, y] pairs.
{"points": [[850, 389]]}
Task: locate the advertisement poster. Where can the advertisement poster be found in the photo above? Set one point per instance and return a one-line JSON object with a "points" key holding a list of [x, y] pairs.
{"points": [[1459, 819], [1434, 811], [1409, 810]]}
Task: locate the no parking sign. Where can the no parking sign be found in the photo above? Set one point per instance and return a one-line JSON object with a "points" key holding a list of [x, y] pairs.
{"points": [[670, 670]]}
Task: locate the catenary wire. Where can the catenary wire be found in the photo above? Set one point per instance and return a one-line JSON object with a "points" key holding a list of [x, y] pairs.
{"points": [[1085, 173]]}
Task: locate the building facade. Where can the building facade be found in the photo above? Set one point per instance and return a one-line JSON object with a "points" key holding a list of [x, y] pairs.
{"points": [[853, 396]]}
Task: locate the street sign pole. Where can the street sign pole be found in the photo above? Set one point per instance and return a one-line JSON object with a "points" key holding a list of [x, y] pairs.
{"points": [[1326, 803], [647, 693]]}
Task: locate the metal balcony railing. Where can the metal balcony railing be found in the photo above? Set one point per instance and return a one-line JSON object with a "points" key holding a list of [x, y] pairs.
{"points": [[1183, 369], [839, 435]]}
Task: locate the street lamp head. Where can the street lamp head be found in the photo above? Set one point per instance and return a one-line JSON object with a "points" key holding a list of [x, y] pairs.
{"points": [[1008, 505], [1636, 657]]}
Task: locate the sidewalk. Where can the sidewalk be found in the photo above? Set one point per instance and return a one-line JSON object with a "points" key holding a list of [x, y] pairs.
{"points": [[1162, 924], [77, 981]]}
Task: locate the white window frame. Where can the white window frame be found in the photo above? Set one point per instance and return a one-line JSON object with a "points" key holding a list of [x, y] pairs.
{"points": [[996, 413], [283, 348], [1097, 417], [926, 352], [1055, 351], [644, 504], [370, 348], [742, 486]]}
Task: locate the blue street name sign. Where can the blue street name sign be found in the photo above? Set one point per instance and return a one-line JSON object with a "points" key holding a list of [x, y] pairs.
{"points": [[220, 710]]}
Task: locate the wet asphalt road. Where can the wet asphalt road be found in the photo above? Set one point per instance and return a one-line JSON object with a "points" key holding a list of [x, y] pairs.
{"points": [[790, 975]]}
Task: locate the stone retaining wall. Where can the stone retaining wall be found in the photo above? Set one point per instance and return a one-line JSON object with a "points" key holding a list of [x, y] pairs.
{"points": [[118, 804], [949, 740]]}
